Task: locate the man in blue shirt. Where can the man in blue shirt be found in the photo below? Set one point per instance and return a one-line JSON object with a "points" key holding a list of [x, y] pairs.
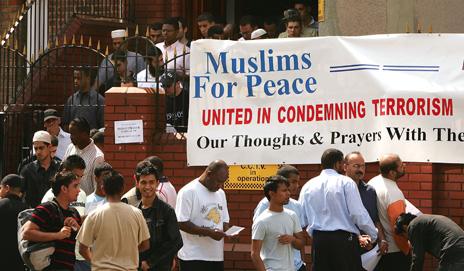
{"points": [[335, 214]]}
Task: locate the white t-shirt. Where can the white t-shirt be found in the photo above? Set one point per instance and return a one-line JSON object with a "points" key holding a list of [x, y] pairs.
{"points": [[93, 202], [165, 191], [267, 227], [195, 203], [115, 230]]}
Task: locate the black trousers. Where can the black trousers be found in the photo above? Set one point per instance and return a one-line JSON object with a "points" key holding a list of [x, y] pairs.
{"points": [[335, 251], [394, 261], [200, 266]]}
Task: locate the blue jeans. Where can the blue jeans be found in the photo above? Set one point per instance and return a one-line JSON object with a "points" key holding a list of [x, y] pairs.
{"points": [[82, 266]]}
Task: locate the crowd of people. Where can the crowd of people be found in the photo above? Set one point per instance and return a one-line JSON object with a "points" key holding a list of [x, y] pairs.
{"points": [[78, 204], [162, 61]]}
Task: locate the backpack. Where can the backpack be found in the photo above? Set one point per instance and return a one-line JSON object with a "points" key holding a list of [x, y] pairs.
{"points": [[35, 255]]}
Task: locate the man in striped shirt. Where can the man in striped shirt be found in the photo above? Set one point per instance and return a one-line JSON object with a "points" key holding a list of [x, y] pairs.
{"points": [[57, 221]]}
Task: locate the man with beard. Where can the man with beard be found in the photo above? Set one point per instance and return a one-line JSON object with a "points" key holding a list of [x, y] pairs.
{"points": [[149, 78], [37, 174], [276, 232], [335, 215], [390, 204], [354, 168]]}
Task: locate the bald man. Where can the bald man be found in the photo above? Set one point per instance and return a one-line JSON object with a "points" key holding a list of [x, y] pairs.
{"points": [[390, 204], [201, 209]]}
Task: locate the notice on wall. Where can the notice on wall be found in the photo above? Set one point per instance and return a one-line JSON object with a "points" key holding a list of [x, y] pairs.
{"points": [[249, 177], [128, 131]]}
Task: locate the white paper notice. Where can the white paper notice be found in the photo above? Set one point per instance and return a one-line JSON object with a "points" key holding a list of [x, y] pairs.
{"points": [[370, 259], [128, 131], [234, 230]]}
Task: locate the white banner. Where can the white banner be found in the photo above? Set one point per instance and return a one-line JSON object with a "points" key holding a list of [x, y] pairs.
{"points": [[287, 100]]}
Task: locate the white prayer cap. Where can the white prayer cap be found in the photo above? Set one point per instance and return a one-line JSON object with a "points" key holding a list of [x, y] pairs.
{"points": [[119, 33], [42, 136], [258, 33]]}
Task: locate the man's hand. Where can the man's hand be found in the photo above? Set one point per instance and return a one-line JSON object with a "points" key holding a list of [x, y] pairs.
{"points": [[216, 234], [64, 233], [383, 247], [365, 241], [286, 239], [72, 223], [145, 266]]}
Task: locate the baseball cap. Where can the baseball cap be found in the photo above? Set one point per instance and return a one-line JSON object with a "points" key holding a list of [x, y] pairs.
{"points": [[290, 13], [12, 180], [50, 114], [42, 136]]}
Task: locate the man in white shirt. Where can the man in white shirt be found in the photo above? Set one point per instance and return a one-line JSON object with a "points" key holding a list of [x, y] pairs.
{"points": [[390, 204], [98, 198], [334, 213], [203, 218], [276, 232], [293, 176], [52, 121], [84, 147]]}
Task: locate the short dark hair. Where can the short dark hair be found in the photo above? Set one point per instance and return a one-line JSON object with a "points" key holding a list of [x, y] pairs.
{"points": [[99, 138], [157, 162], [272, 183], [172, 21], [294, 19], [60, 179], [81, 124], [270, 20], [301, 2], [99, 168], [330, 157], [72, 162], [182, 21], [87, 72], [153, 51], [287, 170], [385, 167], [54, 140], [156, 26], [13, 181], [145, 168], [403, 220], [215, 30], [206, 16], [113, 184], [119, 55], [248, 19]]}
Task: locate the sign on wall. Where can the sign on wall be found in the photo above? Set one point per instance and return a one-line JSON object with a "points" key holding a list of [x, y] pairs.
{"points": [[249, 177], [128, 131], [287, 100]]}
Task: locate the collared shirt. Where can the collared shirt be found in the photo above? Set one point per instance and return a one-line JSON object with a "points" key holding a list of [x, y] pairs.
{"points": [[135, 63], [89, 105], [64, 139], [165, 238], [369, 200], [92, 156], [177, 50], [331, 202], [390, 204], [37, 181]]}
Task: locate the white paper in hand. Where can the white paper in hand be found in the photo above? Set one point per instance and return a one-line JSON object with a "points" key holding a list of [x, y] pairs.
{"points": [[370, 259], [234, 230]]}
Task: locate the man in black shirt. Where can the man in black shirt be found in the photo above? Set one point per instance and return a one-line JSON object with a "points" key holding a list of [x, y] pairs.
{"points": [[38, 173], [435, 234], [165, 238], [10, 206]]}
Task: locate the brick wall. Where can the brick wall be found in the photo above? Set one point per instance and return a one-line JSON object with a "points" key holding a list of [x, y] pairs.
{"points": [[433, 188]]}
